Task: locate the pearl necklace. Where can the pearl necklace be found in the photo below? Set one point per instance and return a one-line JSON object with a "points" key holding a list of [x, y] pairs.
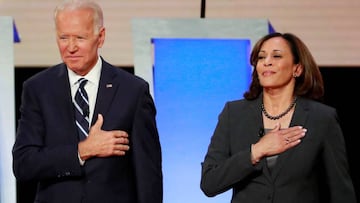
{"points": [[280, 115]]}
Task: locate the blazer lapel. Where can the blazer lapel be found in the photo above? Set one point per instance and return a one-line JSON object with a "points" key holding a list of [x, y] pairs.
{"points": [[300, 115], [257, 118], [62, 96], [106, 91]]}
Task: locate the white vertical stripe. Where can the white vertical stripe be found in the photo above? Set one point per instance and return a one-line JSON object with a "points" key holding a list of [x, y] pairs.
{"points": [[7, 111]]}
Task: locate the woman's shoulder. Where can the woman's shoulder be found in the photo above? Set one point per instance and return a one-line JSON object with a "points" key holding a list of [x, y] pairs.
{"points": [[243, 103], [316, 107], [314, 103]]}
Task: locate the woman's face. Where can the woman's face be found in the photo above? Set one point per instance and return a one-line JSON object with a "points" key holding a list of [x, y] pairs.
{"points": [[275, 66]]}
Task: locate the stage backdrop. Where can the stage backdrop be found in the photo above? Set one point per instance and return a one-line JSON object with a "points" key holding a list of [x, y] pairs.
{"points": [[7, 110], [193, 78], [193, 67]]}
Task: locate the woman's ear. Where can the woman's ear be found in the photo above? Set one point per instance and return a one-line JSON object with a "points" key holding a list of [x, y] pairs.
{"points": [[297, 70]]}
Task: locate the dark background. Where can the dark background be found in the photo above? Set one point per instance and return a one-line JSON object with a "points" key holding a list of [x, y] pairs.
{"points": [[341, 85]]}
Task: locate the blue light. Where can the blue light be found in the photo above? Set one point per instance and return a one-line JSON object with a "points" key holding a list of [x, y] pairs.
{"points": [[193, 78], [16, 34]]}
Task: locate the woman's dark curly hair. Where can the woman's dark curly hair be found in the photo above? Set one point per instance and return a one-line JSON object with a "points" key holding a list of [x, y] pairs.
{"points": [[309, 84]]}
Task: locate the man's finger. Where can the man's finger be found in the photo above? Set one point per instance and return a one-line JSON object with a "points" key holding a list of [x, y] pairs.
{"points": [[99, 122]]}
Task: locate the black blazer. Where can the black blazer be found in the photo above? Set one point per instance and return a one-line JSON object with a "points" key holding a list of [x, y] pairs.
{"points": [[45, 149], [314, 171]]}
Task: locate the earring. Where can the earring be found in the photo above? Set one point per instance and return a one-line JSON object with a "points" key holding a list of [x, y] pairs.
{"points": [[294, 75]]}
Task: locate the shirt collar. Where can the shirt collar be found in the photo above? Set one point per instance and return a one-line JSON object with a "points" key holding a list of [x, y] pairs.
{"points": [[93, 76]]}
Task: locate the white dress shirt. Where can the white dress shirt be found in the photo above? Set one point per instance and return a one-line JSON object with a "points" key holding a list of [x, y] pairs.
{"points": [[91, 88]]}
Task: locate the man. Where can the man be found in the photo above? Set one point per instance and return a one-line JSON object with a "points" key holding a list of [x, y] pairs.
{"points": [[118, 158]]}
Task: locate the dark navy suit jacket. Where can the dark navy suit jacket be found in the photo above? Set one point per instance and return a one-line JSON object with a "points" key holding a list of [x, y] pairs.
{"points": [[46, 151]]}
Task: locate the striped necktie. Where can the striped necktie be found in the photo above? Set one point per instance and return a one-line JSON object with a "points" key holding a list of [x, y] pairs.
{"points": [[82, 109]]}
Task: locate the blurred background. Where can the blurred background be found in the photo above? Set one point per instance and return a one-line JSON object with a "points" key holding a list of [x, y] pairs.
{"points": [[330, 28]]}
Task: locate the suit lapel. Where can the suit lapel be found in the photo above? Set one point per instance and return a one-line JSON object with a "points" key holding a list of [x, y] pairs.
{"points": [[257, 118], [61, 96], [106, 91], [299, 118]]}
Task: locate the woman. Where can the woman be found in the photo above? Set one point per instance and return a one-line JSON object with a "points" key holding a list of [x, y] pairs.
{"points": [[279, 144]]}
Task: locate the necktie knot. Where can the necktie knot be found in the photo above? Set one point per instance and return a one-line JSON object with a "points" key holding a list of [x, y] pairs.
{"points": [[82, 82]]}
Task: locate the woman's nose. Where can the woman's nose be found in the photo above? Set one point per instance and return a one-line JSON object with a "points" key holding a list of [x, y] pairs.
{"points": [[267, 61]]}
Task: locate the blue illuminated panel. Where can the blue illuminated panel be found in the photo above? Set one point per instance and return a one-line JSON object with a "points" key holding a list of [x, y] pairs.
{"points": [[193, 78]]}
